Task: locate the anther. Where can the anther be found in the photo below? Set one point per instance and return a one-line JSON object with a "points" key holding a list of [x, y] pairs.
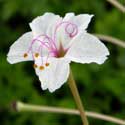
{"points": [[41, 67], [47, 64], [35, 66], [25, 55], [36, 55]]}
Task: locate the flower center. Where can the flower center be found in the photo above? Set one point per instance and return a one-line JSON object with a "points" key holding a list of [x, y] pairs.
{"points": [[46, 45], [61, 51]]}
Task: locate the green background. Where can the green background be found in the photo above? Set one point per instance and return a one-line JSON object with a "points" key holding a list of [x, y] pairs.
{"points": [[102, 87]]}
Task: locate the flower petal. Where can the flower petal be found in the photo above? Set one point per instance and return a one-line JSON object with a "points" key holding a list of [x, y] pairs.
{"points": [[53, 76], [72, 24], [41, 24], [81, 20], [87, 48], [19, 48]]}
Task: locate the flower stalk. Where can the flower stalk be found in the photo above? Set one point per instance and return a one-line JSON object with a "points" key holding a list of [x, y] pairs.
{"points": [[117, 4], [111, 39], [24, 107], [77, 98]]}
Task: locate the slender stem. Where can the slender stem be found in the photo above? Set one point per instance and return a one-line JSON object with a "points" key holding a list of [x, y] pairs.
{"points": [[111, 40], [20, 106], [77, 98], [117, 5]]}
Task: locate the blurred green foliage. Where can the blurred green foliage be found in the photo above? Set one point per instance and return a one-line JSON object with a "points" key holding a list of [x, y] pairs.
{"points": [[102, 88]]}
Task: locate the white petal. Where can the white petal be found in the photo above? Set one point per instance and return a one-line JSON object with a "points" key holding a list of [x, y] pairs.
{"points": [[41, 24], [81, 20], [55, 75], [81, 23], [87, 48], [19, 48]]}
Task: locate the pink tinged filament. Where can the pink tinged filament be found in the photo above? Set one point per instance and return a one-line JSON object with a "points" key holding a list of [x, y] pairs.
{"points": [[49, 43], [71, 34]]}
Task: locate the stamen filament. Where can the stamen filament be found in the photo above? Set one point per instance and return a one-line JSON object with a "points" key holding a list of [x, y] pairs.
{"points": [[68, 23], [48, 43]]}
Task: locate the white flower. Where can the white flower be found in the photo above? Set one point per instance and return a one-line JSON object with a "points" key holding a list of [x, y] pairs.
{"points": [[53, 43]]}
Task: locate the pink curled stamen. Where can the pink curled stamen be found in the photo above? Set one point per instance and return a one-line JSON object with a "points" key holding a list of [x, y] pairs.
{"points": [[38, 40], [74, 30], [68, 23], [45, 44], [49, 43]]}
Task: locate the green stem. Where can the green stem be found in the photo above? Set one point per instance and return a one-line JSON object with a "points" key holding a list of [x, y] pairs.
{"points": [[24, 107], [77, 98]]}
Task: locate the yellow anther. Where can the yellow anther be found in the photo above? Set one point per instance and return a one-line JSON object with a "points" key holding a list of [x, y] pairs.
{"points": [[36, 55], [41, 67], [35, 66], [47, 64], [25, 55]]}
